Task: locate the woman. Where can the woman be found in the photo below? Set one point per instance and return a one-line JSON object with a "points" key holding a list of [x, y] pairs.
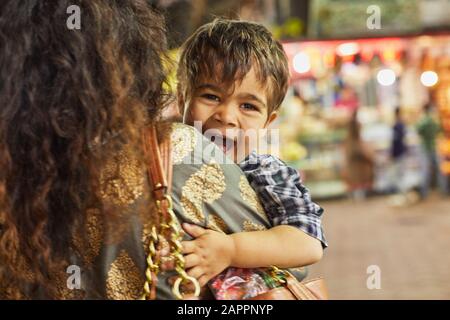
{"points": [[75, 206], [359, 161], [65, 95]]}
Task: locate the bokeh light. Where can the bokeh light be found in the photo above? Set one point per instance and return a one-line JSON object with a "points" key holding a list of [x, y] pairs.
{"points": [[429, 78], [301, 63], [386, 77]]}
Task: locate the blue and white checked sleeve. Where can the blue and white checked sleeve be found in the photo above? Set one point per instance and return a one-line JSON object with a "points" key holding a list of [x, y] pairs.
{"points": [[284, 198]]}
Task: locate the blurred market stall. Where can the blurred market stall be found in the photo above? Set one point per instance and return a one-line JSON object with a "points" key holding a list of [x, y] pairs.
{"points": [[333, 78]]}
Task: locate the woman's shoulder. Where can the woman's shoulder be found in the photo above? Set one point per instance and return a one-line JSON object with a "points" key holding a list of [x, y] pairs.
{"points": [[123, 175], [184, 140], [183, 128], [208, 188], [190, 147]]}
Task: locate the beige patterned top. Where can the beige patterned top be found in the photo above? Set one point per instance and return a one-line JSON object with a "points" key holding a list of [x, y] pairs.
{"points": [[206, 193]]}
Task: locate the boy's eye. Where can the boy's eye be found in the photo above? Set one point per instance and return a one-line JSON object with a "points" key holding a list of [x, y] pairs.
{"points": [[211, 97], [249, 107]]}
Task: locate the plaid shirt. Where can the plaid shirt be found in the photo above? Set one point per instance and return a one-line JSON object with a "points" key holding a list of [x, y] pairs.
{"points": [[284, 198]]}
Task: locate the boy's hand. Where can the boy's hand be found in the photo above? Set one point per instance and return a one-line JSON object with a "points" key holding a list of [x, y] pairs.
{"points": [[208, 254]]}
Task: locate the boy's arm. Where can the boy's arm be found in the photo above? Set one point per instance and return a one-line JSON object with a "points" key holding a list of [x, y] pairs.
{"points": [[211, 252], [285, 199], [283, 246]]}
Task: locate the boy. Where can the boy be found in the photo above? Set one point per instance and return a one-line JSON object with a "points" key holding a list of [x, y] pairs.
{"points": [[232, 77]]}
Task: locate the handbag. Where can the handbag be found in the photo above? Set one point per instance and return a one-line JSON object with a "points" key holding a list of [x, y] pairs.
{"points": [[159, 169], [292, 289]]}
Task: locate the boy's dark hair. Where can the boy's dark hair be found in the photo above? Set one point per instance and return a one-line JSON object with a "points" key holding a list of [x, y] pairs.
{"points": [[226, 50]]}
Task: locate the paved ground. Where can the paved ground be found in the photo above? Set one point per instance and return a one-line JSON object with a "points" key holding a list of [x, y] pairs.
{"points": [[411, 246]]}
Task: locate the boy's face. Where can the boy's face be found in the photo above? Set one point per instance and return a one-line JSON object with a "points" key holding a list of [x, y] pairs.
{"points": [[232, 113]]}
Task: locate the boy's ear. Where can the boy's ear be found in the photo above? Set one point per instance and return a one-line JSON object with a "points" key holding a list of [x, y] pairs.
{"points": [[271, 118]]}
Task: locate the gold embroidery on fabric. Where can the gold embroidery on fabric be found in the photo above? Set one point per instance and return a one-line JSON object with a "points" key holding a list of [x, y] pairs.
{"points": [[62, 281], [8, 293], [28, 275], [206, 185], [217, 223], [252, 226], [122, 179], [94, 231], [191, 211], [250, 197], [183, 141], [124, 279]]}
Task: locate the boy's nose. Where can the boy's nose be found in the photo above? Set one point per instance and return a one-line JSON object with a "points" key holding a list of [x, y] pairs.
{"points": [[226, 116]]}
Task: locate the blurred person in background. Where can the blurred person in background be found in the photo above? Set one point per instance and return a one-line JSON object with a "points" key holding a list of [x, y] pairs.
{"points": [[347, 99], [428, 129], [398, 155], [359, 161]]}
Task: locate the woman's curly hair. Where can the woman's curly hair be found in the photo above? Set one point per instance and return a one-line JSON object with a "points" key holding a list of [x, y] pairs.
{"points": [[64, 95]]}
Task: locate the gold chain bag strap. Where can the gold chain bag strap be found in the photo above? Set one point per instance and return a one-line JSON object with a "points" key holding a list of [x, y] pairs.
{"points": [[158, 158]]}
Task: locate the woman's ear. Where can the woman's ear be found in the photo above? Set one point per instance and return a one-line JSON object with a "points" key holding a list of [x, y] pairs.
{"points": [[271, 119]]}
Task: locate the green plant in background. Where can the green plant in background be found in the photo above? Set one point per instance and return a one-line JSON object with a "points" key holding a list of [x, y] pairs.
{"points": [[293, 151], [293, 28]]}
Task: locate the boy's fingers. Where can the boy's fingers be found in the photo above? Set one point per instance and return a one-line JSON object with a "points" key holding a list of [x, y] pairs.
{"points": [[191, 260], [187, 247], [196, 272], [193, 230]]}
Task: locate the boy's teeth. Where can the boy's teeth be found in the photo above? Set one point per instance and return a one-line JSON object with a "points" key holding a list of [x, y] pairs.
{"points": [[223, 143]]}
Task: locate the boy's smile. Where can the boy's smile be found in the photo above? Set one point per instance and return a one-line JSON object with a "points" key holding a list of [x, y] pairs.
{"points": [[231, 112]]}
